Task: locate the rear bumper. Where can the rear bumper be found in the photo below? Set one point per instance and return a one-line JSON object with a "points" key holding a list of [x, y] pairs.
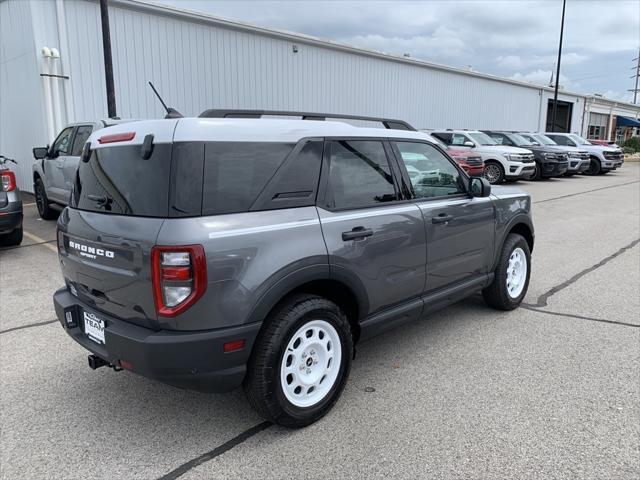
{"points": [[192, 360], [10, 217]]}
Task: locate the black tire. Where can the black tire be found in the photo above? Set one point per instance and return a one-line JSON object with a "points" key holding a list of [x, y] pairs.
{"points": [[496, 295], [604, 172], [537, 174], [569, 174], [12, 239], [493, 172], [42, 202], [262, 383], [594, 167]]}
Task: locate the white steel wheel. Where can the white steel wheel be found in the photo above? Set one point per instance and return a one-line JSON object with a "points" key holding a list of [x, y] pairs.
{"points": [[310, 363], [516, 272]]}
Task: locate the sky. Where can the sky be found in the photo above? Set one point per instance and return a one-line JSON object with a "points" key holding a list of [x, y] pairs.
{"points": [[517, 39]]}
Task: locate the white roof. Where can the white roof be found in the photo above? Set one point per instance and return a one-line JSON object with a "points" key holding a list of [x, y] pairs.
{"points": [[243, 130]]}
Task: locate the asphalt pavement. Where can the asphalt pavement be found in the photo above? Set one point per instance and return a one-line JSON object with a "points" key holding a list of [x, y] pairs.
{"points": [[551, 390]]}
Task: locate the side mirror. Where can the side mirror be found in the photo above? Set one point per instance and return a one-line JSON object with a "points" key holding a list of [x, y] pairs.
{"points": [[469, 144], [40, 152], [479, 187]]}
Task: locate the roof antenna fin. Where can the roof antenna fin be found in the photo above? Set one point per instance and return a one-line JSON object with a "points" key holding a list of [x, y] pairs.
{"points": [[171, 112]]}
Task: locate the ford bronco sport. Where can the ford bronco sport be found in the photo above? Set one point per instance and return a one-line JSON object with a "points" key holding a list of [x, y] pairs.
{"points": [[214, 252]]}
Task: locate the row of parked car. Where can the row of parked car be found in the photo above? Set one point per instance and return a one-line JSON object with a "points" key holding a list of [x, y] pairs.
{"points": [[502, 155], [498, 155]]}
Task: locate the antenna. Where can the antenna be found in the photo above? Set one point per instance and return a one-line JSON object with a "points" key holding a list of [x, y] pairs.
{"points": [[171, 112]]}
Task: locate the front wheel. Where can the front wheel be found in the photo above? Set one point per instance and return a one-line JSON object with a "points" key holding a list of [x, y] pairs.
{"points": [[594, 167], [511, 276], [493, 172], [42, 202], [301, 362]]}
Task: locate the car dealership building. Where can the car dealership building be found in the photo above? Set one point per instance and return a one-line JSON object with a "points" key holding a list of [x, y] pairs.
{"points": [[52, 73]]}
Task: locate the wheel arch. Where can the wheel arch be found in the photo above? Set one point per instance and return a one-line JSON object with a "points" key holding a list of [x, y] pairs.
{"points": [[520, 224], [340, 288]]}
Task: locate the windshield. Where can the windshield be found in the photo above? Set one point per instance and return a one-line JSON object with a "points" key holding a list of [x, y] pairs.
{"points": [[519, 140], [543, 139], [481, 138], [578, 139], [530, 138]]}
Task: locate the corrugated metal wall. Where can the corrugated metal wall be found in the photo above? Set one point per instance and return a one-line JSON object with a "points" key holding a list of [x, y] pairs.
{"points": [[197, 66]]}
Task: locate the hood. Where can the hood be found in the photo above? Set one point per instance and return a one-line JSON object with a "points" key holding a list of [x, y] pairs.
{"points": [[502, 149]]}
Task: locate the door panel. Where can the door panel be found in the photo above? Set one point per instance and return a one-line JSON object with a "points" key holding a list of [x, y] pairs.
{"points": [[368, 232], [461, 247], [390, 262]]}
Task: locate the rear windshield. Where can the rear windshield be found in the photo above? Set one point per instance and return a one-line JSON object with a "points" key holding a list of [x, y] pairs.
{"points": [[118, 180], [185, 179]]}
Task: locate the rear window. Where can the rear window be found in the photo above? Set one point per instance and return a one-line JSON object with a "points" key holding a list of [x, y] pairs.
{"points": [[118, 180], [236, 172]]}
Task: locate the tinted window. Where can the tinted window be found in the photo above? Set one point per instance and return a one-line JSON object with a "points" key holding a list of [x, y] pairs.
{"points": [[559, 139], [359, 174], [445, 137], [236, 172], [432, 174], [82, 134], [62, 145], [296, 182], [117, 180]]}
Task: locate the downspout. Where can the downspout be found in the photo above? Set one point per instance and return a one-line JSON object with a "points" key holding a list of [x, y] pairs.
{"points": [[610, 122], [65, 62], [55, 90], [46, 55], [583, 134]]}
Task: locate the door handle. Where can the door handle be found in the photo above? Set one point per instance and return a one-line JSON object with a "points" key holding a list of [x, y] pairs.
{"points": [[60, 165], [442, 218], [356, 233]]}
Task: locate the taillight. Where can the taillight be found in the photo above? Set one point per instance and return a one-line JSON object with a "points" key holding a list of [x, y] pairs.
{"points": [[8, 179], [117, 137], [179, 277]]}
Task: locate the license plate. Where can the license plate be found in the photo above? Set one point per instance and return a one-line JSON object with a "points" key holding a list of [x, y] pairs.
{"points": [[94, 327]]}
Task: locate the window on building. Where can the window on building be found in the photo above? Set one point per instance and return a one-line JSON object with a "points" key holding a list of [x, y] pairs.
{"points": [[597, 128]]}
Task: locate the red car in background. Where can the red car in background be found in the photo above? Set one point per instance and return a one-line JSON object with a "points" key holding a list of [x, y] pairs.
{"points": [[604, 143], [469, 161]]}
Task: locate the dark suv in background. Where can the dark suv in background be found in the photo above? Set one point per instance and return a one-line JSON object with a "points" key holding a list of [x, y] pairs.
{"points": [[215, 252], [551, 161]]}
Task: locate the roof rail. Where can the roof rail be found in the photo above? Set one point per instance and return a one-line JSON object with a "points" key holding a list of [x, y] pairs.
{"points": [[222, 113]]}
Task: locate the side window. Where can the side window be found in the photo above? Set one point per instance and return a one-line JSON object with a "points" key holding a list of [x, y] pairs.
{"points": [[499, 138], [359, 174], [559, 139], [82, 134], [445, 137], [459, 139], [62, 145], [236, 172], [432, 174]]}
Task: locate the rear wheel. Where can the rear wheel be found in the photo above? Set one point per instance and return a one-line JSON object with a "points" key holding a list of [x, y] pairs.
{"points": [[594, 167], [301, 362], [493, 172], [42, 202], [12, 239], [511, 276]]}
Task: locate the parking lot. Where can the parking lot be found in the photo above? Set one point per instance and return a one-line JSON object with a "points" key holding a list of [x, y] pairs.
{"points": [[546, 391]]}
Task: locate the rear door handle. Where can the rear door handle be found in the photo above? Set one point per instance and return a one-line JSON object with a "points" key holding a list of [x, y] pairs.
{"points": [[356, 233], [442, 218]]}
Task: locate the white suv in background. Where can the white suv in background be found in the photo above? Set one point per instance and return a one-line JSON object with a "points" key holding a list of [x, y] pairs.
{"points": [[501, 162], [603, 159]]}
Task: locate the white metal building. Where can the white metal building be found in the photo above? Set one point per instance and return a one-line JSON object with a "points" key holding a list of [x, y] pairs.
{"points": [[198, 62]]}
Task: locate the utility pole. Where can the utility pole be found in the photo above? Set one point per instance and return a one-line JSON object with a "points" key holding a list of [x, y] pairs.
{"points": [[555, 91], [108, 62], [636, 76]]}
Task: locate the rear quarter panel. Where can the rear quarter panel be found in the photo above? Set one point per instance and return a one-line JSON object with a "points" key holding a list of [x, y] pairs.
{"points": [[513, 206], [247, 254]]}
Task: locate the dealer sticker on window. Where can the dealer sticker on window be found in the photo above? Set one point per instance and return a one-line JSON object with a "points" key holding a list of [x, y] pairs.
{"points": [[94, 327]]}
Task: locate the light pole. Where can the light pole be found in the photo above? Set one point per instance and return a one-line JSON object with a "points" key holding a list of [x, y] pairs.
{"points": [[108, 62], [555, 91]]}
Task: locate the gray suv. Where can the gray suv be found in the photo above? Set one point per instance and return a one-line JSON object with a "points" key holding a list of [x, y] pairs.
{"points": [[214, 252], [55, 166]]}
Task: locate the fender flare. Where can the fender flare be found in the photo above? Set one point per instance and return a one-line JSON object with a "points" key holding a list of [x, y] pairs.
{"points": [[520, 218]]}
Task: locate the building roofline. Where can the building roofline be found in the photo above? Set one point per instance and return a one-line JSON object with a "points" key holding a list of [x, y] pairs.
{"points": [[167, 10]]}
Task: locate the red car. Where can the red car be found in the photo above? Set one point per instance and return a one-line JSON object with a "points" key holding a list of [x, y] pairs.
{"points": [[604, 143], [470, 162]]}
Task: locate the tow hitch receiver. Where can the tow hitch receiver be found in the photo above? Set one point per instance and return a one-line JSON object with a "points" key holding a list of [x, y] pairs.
{"points": [[97, 362]]}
